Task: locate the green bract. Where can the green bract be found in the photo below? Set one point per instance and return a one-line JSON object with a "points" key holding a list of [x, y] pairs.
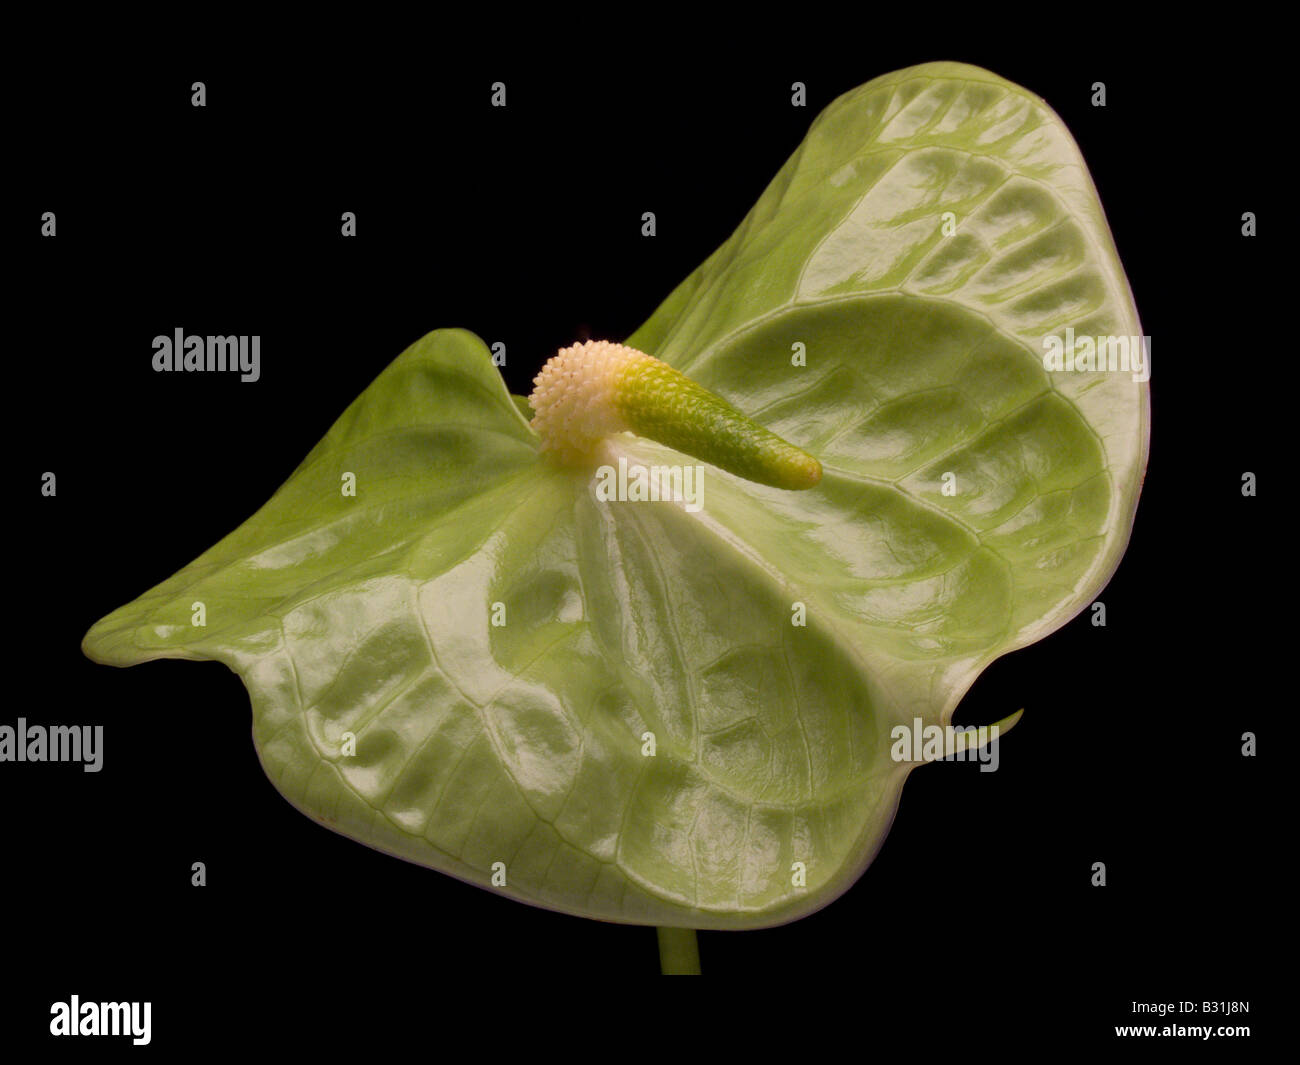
{"points": [[522, 743]]}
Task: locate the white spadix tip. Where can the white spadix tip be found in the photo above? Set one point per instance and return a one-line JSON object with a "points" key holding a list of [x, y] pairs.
{"points": [[574, 398]]}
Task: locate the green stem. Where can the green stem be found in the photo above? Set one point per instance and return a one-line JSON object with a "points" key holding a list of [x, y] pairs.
{"points": [[679, 952]]}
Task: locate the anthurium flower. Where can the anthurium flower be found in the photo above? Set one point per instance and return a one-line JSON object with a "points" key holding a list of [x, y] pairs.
{"points": [[462, 650]]}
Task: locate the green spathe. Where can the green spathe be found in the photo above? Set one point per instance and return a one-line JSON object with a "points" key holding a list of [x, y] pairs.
{"points": [[846, 315]]}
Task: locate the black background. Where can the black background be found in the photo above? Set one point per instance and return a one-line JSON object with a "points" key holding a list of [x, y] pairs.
{"points": [[523, 225]]}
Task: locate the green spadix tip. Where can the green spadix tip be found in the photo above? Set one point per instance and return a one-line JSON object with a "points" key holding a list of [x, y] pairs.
{"points": [[589, 391]]}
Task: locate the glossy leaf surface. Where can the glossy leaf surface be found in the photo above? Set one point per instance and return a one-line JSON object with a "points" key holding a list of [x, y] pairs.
{"points": [[934, 227]]}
